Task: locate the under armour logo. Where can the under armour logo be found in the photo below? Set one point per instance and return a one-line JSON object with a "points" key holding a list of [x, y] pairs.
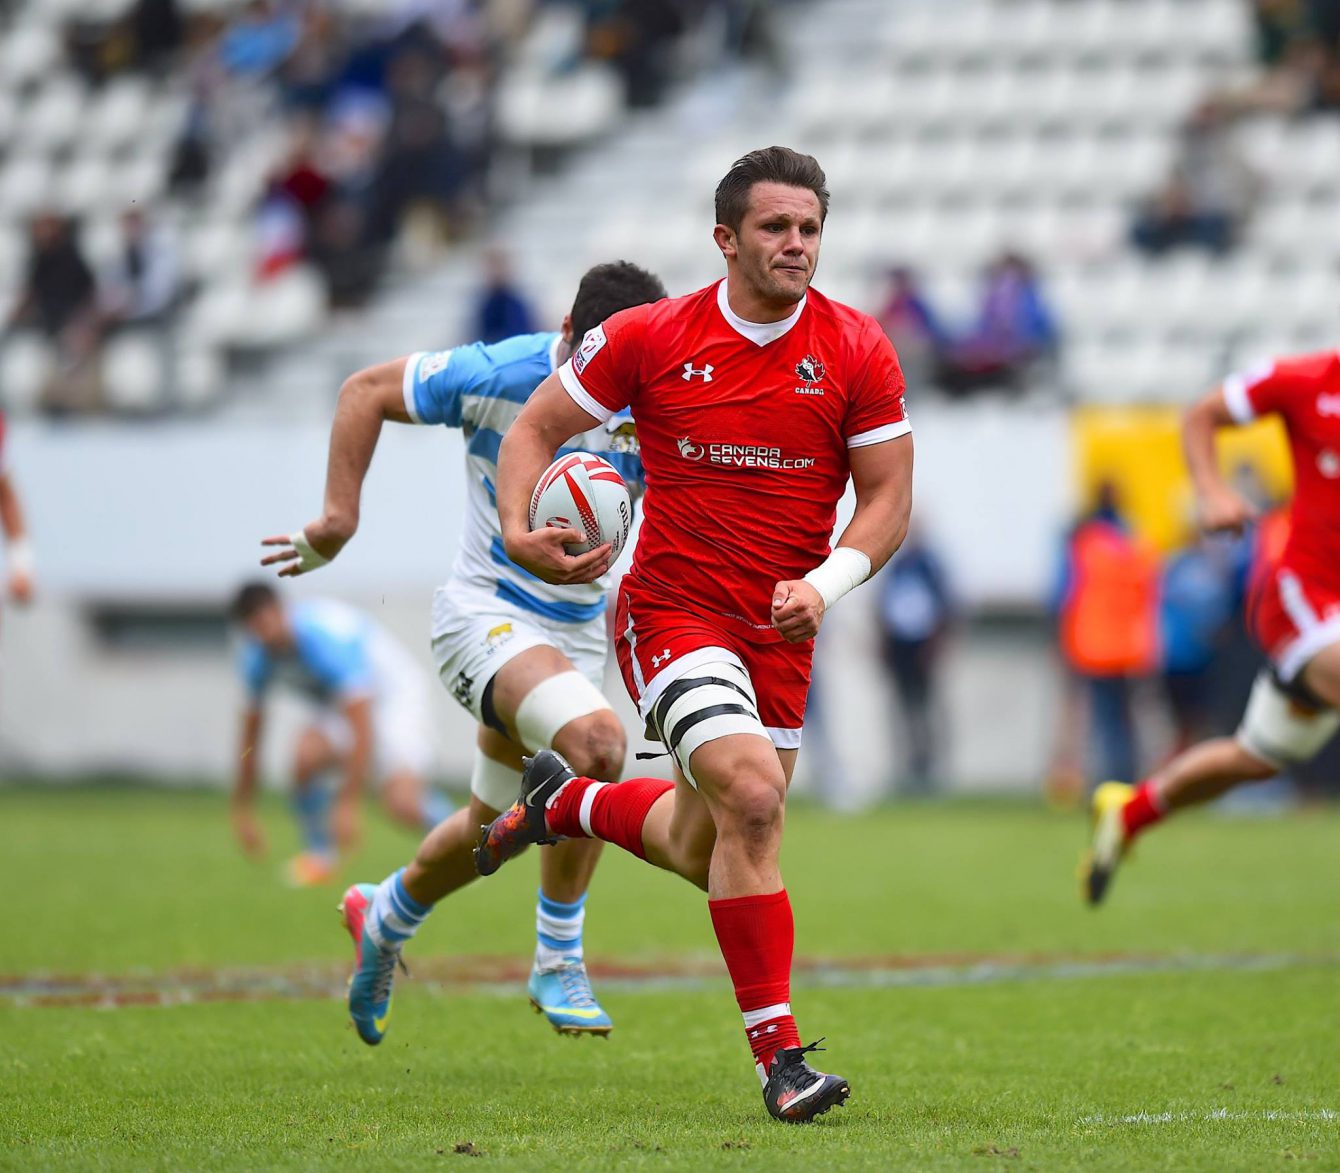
{"points": [[704, 373], [663, 658]]}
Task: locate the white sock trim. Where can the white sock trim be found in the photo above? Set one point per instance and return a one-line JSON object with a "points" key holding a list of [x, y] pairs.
{"points": [[584, 812], [753, 1017]]}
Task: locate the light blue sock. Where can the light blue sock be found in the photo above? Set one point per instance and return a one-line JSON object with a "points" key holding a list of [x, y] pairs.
{"points": [[311, 807], [395, 915], [558, 930], [437, 807]]}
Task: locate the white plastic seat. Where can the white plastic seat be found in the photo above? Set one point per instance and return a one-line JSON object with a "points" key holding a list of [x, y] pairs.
{"points": [[29, 50], [132, 372], [118, 115], [27, 362], [25, 185], [51, 120]]}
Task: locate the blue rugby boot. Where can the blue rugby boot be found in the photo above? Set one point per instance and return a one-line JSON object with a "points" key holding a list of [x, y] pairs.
{"points": [[563, 995], [374, 967]]}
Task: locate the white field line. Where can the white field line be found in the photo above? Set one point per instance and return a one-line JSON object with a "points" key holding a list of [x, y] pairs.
{"points": [[1142, 1118]]}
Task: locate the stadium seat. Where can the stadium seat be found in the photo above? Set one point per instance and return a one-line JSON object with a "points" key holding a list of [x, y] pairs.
{"points": [[27, 361], [25, 184], [133, 372]]}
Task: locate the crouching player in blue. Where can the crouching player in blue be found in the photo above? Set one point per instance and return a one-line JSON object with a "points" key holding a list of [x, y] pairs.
{"points": [[527, 659], [370, 715]]}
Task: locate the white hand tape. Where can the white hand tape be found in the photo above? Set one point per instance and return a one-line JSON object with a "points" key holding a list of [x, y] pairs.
{"points": [[308, 558]]}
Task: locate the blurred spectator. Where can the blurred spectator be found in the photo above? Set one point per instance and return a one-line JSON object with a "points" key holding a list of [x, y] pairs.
{"points": [[420, 164], [350, 263], [141, 285], [1207, 197], [310, 73], [1298, 43], [916, 609], [502, 310], [58, 298], [912, 326], [1198, 596], [302, 178], [258, 41], [639, 40], [158, 31], [1014, 334], [281, 232], [1106, 605]]}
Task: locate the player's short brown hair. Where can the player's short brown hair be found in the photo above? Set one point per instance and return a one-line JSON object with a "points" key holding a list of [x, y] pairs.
{"points": [[768, 165], [250, 598], [607, 289]]}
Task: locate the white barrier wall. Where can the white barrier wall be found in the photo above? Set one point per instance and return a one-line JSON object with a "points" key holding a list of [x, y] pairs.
{"points": [[173, 513]]}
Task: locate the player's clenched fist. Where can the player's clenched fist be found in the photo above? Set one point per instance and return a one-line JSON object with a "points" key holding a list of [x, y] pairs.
{"points": [[797, 610], [541, 552]]}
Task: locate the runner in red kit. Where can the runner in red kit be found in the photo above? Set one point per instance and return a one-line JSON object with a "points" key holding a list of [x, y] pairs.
{"points": [[1293, 607], [755, 399]]}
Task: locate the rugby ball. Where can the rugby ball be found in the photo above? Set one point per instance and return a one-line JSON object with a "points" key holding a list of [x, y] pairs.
{"points": [[586, 493]]}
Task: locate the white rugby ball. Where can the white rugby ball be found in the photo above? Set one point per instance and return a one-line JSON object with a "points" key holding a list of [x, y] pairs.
{"points": [[586, 493]]}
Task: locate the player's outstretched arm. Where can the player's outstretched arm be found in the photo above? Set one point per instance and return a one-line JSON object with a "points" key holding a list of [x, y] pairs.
{"points": [[1218, 505], [347, 817], [247, 828], [18, 549], [882, 477], [368, 398], [528, 447]]}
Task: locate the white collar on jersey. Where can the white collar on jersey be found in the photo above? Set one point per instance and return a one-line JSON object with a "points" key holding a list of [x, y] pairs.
{"points": [[759, 333], [553, 352]]}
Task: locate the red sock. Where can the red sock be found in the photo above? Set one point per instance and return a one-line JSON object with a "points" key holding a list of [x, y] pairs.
{"points": [[1143, 808], [613, 811], [757, 936]]}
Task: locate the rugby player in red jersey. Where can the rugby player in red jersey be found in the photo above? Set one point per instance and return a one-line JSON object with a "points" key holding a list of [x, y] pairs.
{"points": [[1293, 607], [756, 398]]}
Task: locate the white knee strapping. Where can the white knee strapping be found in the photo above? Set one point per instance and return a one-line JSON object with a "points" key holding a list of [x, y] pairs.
{"points": [[1278, 730], [554, 702], [714, 700], [494, 784]]}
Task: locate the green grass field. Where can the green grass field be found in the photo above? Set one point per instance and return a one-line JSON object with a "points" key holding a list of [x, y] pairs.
{"points": [[982, 1015]]}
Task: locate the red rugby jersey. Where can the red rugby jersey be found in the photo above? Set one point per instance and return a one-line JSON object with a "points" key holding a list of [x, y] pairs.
{"points": [[744, 430], [1305, 392]]}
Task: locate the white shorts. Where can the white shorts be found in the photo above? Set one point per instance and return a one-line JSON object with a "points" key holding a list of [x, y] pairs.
{"points": [[475, 635], [401, 730]]}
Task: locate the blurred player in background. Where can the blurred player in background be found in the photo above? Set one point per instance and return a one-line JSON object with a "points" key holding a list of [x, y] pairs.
{"points": [[18, 548], [371, 715], [756, 398], [526, 660], [1293, 607]]}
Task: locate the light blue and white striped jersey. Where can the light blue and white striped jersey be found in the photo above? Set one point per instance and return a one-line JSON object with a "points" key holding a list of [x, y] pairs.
{"points": [[481, 389], [339, 654]]}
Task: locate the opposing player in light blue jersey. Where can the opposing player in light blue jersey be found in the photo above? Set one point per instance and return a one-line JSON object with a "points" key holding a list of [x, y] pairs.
{"points": [[527, 659], [370, 702]]}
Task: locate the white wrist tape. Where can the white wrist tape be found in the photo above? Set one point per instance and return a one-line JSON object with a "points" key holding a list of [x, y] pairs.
{"points": [[308, 559], [843, 569], [19, 557]]}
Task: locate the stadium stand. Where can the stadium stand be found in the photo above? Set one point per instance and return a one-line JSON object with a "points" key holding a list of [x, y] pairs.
{"points": [[953, 129]]}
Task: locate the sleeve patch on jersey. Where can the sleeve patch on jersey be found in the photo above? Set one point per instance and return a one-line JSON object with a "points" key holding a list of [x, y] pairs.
{"points": [[591, 346], [432, 363]]}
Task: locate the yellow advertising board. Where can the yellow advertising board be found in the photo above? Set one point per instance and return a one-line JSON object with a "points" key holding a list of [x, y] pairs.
{"points": [[1139, 451]]}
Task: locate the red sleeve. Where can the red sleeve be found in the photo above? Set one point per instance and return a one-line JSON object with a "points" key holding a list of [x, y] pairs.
{"points": [[602, 374], [876, 408], [1273, 387]]}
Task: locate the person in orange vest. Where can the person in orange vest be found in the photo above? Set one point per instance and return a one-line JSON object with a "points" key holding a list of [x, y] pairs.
{"points": [[1106, 605]]}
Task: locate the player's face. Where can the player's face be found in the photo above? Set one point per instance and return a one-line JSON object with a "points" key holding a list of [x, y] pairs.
{"points": [[777, 247], [269, 627]]}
